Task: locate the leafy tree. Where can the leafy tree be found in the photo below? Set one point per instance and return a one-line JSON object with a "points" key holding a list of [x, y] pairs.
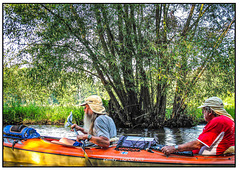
{"points": [[207, 45], [139, 52]]}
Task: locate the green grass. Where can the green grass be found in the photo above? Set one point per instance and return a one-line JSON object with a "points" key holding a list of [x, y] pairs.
{"points": [[198, 116], [32, 113], [231, 110]]}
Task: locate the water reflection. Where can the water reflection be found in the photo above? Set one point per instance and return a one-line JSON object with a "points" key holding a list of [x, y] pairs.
{"points": [[165, 136]]}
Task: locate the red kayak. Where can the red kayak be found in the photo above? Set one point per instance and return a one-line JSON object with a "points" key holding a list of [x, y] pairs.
{"points": [[43, 152]]}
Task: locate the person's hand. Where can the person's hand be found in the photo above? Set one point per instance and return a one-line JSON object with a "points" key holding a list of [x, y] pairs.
{"points": [[81, 137], [167, 150], [76, 127]]}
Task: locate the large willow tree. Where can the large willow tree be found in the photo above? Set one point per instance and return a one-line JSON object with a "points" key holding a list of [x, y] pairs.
{"points": [[138, 51]]}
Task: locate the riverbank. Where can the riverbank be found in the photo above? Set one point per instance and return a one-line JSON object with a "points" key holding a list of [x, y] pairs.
{"points": [[57, 115], [44, 115]]}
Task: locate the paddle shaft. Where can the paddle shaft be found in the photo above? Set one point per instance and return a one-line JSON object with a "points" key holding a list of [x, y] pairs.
{"points": [[75, 131], [69, 121], [85, 154]]}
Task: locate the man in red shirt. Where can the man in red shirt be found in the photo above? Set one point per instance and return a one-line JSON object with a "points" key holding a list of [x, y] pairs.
{"points": [[217, 136]]}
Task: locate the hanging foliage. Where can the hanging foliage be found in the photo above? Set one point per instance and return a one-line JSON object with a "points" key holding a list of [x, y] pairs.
{"points": [[147, 56]]}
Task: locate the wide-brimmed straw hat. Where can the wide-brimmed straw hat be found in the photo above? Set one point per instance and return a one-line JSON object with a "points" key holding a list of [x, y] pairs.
{"points": [[95, 103], [217, 106]]}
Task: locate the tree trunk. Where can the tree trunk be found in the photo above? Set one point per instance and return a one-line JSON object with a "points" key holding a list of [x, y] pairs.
{"points": [[161, 97]]}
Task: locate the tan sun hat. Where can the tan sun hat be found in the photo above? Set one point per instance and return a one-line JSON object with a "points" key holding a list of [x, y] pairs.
{"points": [[95, 103], [217, 106]]}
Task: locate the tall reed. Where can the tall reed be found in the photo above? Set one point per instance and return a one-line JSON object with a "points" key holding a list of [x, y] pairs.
{"points": [[18, 114]]}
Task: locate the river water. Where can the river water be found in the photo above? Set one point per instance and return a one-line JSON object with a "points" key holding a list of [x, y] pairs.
{"points": [[165, 136]]}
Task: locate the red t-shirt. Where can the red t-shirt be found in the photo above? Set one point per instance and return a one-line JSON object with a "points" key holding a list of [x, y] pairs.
{"points": [[218, 135]]}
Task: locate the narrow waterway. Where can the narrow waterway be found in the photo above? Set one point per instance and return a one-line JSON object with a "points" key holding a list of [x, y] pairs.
{"points": [[165, 136]]}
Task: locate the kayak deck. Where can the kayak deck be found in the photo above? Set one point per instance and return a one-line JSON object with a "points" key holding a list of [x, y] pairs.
{"points": [[42, 152]]}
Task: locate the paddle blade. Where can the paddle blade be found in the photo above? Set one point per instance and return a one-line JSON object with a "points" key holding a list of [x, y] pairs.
{"points": [[69, 120]]}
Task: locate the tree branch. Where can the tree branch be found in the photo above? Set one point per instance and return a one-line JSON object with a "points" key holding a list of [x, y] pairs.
{"points": [[205, 63], [186, 27]]}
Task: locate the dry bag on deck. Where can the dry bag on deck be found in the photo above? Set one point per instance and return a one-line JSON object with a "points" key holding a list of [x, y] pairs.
{"points": [[20, 132], [134, 143]]}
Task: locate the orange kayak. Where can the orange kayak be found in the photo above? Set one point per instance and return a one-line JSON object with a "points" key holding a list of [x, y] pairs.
{"points": [[43, 152]]}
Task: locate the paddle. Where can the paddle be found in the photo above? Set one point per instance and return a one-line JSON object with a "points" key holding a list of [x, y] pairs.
{"points": [[69, 123]]}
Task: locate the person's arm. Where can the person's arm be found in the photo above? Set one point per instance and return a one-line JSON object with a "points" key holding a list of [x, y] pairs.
{"points": [[100, 141], [193, 145], [78, 128]]}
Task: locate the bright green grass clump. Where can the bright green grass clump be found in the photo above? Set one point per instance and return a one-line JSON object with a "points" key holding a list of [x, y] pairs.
{"points": [[40, 114]]}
